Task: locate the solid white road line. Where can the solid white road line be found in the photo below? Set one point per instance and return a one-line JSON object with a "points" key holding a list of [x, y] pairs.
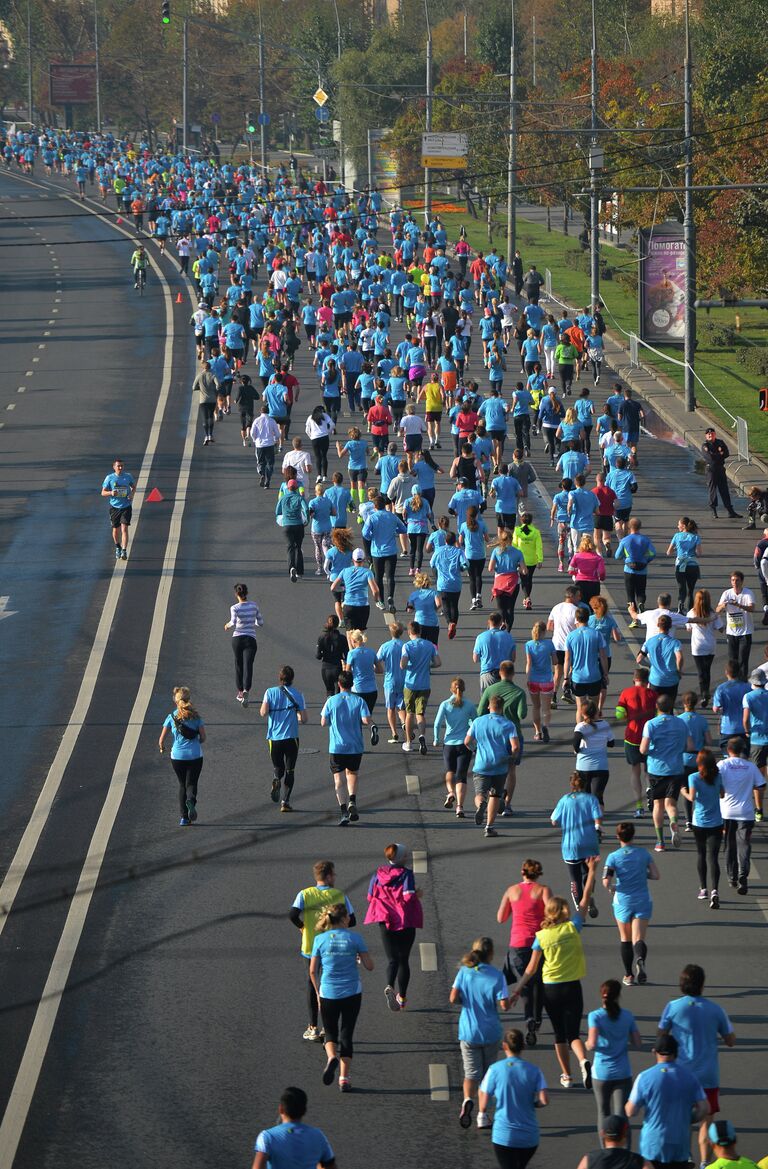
{"points": [[45, 1016], [39, 817], [428, 956], [438, 1082]]}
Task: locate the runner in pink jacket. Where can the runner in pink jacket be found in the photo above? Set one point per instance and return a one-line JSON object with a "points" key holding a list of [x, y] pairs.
{"points": [[395, 903]]}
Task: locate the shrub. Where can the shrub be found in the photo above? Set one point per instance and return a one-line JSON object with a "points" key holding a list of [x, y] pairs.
{"points": [[754, 358], [717, 335]]}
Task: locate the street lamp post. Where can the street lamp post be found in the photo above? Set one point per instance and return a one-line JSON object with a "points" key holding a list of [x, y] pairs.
{"points": [[595, 164], [338, 57], [689, 226], [98, 64], [29, 63], [262, 127], [512, 162], [427, 174]]}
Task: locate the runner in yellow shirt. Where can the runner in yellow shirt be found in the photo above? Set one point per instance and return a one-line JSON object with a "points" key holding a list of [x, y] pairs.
{"points": [[432, 393]]}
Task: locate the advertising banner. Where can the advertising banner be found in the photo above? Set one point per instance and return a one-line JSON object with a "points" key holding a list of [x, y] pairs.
{"points": [[661, 292], [72, 84]]}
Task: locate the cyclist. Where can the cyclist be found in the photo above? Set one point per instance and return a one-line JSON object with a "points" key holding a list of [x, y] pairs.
{"points": [[139, 264]]}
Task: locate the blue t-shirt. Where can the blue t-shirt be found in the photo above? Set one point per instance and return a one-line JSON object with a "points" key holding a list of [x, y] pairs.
{"points": [[283, 719], [667, 735], [447, 562], [697, 1024], [729, 699], [390, 654], [293, 1144], [482, 988], [686, 545], [473, 541], [630, 866], [491, 733], [338, 950], [362, 662], [424, 609], [343, 713], [321, 510], [183, 748], [382, 529], [661, 651], [697, 732], [584, 645], [668, 1093], [355, 582], [540, 653], [756, 702], [419, 655], [635, 550], [583, 505], [122, 484], [610, 1060], [494, 413], [514, 1085], [493, 646], [507, 489], [706, 804], [357, 449], [576, 814]]}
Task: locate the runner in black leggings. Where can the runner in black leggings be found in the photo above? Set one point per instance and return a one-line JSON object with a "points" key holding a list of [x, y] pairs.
{"points": [[188, 733], [395, 903], [331, 652]]}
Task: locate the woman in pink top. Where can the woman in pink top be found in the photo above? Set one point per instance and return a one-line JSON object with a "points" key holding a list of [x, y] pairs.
{"points": [[587, 568], [395, 903], [524, 903]]}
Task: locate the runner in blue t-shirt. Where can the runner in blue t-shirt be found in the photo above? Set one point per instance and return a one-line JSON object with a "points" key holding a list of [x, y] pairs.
{"points": [[119, 488], [345, 714], [626, 874]]}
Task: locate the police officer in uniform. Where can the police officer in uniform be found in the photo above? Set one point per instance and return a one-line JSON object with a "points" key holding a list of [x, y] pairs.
{"points": [[715, 453]]}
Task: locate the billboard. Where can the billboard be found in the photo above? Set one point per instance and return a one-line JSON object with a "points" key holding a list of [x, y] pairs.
{"points": [[384, 168], [661, 291], [71, 85]]}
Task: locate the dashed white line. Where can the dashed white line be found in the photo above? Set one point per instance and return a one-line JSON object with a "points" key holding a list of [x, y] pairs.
{"points": [[22, 390], [428, 956], [35, 359], [420, 862], [47, 332], [11, 406], [412, 785], [438, 1083], [42, 345], [29, 373]]}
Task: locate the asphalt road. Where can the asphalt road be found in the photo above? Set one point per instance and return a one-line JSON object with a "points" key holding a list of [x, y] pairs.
{"points": [[181, 1014]]}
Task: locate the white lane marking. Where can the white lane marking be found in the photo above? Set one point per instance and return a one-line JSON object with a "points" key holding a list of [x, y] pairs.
{"points": [[42, 346], [2, 424], [51, 322], [34, 359], [57, 300], [438, 1083], [412, 785], [11, 406], [39, 818], [22, 390], [54, 310], [428, 956], [45, 1016], [47, 332], [4, 610], [420, 862]]}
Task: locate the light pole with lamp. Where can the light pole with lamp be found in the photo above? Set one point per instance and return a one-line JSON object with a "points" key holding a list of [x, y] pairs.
{"points": [[689, 226], [595, 165], [428, 119], [98, 64], [512, 163]]}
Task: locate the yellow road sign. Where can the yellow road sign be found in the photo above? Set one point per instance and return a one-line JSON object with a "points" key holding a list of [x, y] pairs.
{"points": [[433, 162], [321, 97]]}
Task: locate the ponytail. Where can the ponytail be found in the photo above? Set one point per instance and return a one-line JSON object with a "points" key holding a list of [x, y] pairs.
{"points": [[610, 992], [482, 951], [331, 917]]}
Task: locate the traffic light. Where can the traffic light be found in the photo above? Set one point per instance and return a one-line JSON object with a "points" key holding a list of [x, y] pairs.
{"points": [[250, 123], [166, 11]]}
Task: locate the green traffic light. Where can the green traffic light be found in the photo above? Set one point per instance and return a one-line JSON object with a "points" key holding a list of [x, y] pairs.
{"points": [[166, 20]]}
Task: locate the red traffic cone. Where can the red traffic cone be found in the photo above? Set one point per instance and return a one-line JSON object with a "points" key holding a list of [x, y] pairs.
{"points": [[178, 298], [154, 496]]}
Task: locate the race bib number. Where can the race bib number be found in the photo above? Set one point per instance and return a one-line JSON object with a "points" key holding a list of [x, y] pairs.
{"points": [[736, 623]]}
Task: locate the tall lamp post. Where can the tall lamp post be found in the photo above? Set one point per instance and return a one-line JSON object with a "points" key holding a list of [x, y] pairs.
{"points": [[338, 57], [689, 226], [98, 64], [595, 164], [29, 63], [512, 163], [427, 174]]}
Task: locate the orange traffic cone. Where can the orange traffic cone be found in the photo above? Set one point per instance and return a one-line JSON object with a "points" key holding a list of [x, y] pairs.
{"points": [[119, 219], [155, 496], [178, 298]]}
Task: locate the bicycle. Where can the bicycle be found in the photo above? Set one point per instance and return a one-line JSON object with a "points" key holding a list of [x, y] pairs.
{"points": [[140, 280]]}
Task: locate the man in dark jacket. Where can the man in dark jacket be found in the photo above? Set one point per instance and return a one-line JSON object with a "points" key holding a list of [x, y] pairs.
{"points": [[533, 283], [715, 453], [517, 273]]}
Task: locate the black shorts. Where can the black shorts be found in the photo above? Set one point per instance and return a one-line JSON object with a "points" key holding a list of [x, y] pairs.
{"points": [[356, 616], [345, 762], [413, 442], [762, 755], [560, 655], [360, 476], [120, 516], [497, 434], [632, 753], [665, 787], [604, 523], [587, 689], [433, 415], [456, 758], [623, 513], [246, 419]]}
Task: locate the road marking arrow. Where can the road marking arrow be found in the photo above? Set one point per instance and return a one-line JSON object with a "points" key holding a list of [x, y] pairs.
{"points": [[4, 611]]}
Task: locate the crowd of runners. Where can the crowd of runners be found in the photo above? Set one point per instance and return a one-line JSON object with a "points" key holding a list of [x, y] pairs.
{"points": [[419, 345]]}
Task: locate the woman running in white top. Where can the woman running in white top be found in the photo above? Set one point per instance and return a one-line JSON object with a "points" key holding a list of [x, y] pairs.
{"points": [[244, 617]]}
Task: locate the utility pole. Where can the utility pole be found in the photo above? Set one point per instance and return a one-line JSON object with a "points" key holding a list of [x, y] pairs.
{"points": [[29, 63], [98, 64], [689, 226], [427, 174], [595, 164], [512, 162], [262, 127], [466, 54], [533, 46], [342, 166], [184, 81], [370, 162]]}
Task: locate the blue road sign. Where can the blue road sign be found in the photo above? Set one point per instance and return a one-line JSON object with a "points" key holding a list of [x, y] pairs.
{"points": [[322, 114], [263, 119]]}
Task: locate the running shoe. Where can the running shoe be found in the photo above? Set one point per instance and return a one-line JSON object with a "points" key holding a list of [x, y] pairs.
{"points": [[460, 814], [714, 899], [628, 980], [593, 911], [638, 813], [554, 702], [702, 895], [422, 745], [758, 816], [329, 1071], [742, 888], [344, 819], [527, 603], [688, 827], [293, 575], [123, 554], [391, 997], [192, 810], [640, 973], [117, 553], [274, 794], [239, 696], [374, 734], [402, 1004], [586, 1074], [345, 1084], [318, 572], [561, 568], [565, 1081], [507, 810], [451, 630], [530, 1033], [659, 847], [407, 747], [391, 604], [393, 739], [450, 800], [312, 1034], [245, 698], [489, 831], [183, 822], [634, 624], [465, 1116], [480, 814], [675, 836], [354, 815], [285, 806], [545, 734], [483, 1120], [380, 605]]}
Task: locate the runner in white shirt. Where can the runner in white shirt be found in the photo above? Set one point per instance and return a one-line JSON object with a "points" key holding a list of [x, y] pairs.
{"points": [[740, 806], [651, 616], [561, 622], [738, 604], [300, 461]]}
